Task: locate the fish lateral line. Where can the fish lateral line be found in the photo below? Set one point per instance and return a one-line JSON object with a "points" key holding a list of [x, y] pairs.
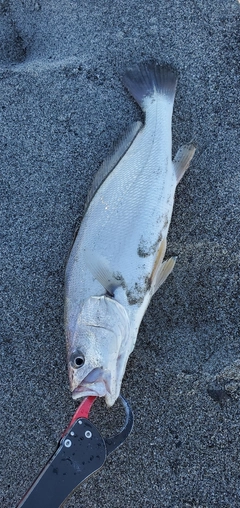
{"points": [[127, 216]]}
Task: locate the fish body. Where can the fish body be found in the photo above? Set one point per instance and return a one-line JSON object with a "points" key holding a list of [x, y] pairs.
{"points": [[116, 263]]}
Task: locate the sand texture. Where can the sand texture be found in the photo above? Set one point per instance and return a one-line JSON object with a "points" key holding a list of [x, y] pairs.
{"points": [[62, 107]]}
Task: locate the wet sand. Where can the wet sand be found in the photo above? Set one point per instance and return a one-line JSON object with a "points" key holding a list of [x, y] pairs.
{"points": [[63, 106]]}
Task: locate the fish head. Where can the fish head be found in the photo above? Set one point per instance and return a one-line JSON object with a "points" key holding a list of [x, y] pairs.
{"points": [[97, 349]]}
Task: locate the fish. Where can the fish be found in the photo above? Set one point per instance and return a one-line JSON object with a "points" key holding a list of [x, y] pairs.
{"points": [[117, 262]]}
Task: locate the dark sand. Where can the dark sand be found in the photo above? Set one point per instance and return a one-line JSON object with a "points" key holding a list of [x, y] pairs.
{"points": [[63, 106]]}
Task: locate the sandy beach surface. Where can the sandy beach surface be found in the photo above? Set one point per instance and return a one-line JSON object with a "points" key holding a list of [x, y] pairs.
{"points": [[62, 107]]}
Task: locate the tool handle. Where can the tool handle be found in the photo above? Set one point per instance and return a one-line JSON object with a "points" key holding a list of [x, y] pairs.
{"points": [[80, 453]]}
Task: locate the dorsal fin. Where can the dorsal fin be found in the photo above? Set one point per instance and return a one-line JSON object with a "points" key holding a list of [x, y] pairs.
{"points": [[111, 162]]}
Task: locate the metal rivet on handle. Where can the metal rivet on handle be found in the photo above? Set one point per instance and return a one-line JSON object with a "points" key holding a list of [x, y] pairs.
{"points": [[67, 443], [88, 434]]}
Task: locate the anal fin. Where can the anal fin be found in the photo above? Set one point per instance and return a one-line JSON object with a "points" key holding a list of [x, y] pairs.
{"points": [[182, 159]]}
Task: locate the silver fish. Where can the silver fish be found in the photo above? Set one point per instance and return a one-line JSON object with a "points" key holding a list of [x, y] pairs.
{"points": [[116, 263]]}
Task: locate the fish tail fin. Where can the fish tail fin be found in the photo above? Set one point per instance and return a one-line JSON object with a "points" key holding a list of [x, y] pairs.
{"points": [[147, 80]]}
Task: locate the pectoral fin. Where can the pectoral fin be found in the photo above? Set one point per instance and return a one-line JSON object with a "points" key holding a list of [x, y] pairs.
{"points": [[182, 159], [101, 270]]}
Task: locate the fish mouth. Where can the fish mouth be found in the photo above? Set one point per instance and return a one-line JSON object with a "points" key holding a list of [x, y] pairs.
{"points": [[97, 383]]}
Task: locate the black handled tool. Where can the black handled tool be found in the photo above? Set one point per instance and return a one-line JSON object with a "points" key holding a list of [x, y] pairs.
{"points": [[81, 451]]}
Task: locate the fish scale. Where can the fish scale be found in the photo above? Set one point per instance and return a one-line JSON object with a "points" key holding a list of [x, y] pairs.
{"points": [[122, 214], [116, 263]]}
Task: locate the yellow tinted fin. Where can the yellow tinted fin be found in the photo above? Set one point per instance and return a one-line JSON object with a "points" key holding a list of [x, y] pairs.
{"points": [[182, 159], [161, 270], [159, 257], [162, 273]]}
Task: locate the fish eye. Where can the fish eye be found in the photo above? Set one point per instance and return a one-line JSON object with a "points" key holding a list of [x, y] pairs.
{"points": [[77, 360]]}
